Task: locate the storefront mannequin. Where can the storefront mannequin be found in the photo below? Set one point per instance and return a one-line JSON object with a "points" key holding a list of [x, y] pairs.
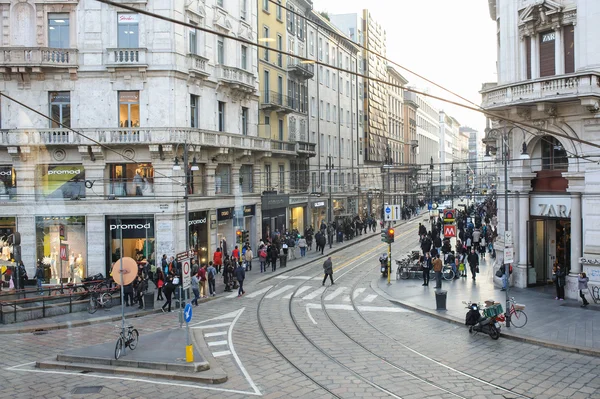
{"points": [[54, 263]]}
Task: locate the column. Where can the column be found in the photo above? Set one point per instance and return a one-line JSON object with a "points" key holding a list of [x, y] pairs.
{"points": [[535, 54], [211, 169], [96, 245], [559, 58], [522, 267], [236, 188], [523, 51], [575, 233]]}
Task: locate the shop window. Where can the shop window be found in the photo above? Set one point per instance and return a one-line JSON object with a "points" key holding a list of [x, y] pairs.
{"points": [[244, 58], [61, 181], [129, 109], [8, 225], [220, 50], [60, 109], [547, 53], [197, 182], [246, 179], [130, 236], [58, 30], [244, 121], [50, 244], [194, 103], [128, 31], [569, 43], [8, 183], [131, 180], [198, 231], [221, 110], [268, 177], [282, 178], [193, 39], [554, 156], [223, 179]]}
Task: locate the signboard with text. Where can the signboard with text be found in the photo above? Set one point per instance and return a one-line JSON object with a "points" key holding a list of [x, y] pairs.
{"points": [[449, 230]]}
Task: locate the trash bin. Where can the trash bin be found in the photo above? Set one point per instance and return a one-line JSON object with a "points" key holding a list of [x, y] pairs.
{"points": [[149, 300], [440, 300], [282, 260]]}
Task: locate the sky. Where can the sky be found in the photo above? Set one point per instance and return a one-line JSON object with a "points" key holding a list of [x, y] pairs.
{"points": [[450, 42]]}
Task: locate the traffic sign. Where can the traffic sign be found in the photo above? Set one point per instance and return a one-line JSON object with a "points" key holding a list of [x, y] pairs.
{"points": [[187, 275], [449, 214], [64, 251], [429, 206], [508, 255], [187, 313], [508, 238], [449, 230], [392, 213]]}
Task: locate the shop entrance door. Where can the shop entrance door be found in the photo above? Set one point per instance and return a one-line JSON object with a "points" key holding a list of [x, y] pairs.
{"points": [[539, 251], [550, 243]]}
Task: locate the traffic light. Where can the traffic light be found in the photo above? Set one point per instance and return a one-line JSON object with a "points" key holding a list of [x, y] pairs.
{"points": [[246, 235], [238, 236], [384, 236], [390, 235]]}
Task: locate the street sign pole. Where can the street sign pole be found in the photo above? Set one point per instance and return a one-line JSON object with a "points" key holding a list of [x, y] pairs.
{"points": [[389, 262], [189, 349]]}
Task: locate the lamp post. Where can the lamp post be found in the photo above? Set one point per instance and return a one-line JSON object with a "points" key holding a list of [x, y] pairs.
{"points": [[489, 141]]}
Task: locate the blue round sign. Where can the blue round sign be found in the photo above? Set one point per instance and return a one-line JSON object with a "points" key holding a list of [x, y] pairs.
{"points": [[187, 313], [388, 210]]}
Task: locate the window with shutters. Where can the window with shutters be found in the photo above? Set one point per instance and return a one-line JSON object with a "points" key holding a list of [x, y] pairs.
{"points": [[547, 53], [569, 42]]}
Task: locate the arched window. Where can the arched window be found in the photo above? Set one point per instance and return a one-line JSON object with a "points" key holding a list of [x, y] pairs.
{"points": [[554, 156]]}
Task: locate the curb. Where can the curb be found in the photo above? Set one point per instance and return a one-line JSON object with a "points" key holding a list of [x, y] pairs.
{"points": [[508, 335]]}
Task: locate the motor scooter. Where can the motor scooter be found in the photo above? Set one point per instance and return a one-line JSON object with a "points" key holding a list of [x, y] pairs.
{"points": [[486, 324], [383, 265]]}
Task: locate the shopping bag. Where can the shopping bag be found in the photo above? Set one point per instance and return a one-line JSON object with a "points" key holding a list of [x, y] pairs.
{"points": [[461, 267]]}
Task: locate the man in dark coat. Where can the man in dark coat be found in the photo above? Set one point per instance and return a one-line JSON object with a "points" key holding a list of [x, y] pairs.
{"points": [[473, 260], [240, 275], [328, 270]]}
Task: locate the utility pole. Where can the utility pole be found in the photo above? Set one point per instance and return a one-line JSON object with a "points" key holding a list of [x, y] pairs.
{"points": [[452, 183], [329, 166]]}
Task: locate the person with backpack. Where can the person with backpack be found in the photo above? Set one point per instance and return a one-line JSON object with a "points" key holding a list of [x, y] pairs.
{"points": [[160, 282], [168, 289], [164, 265], [505, 276], [262, 258], [211, 274], [39, 277], [302, 244], [292, 247], [196, 288]]}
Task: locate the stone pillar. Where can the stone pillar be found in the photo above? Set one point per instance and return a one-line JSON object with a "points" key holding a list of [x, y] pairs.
{"points": [[576, 237], [523, 51], [559, 57], [94, 172], [26, 226], [96, 248], [236, 187], [535, 55], [211, 169], [257, 180], [522, 267]]}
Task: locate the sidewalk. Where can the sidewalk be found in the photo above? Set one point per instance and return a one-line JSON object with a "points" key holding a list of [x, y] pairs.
{"points": [[77, 319], [558, 324]]}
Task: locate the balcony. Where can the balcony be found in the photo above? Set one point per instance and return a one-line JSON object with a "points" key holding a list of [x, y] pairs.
{"points": [[38, 57], [236, 78], [198, 66], [273, 101], [556, 89], [283, 147], [306, 149], [300, 70], [126, 57]]}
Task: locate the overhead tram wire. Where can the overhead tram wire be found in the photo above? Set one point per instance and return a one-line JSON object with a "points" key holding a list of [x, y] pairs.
{"points": [[317, 62]]}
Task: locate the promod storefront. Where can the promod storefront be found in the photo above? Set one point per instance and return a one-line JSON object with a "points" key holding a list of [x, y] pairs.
{"points": [[130, 236]]}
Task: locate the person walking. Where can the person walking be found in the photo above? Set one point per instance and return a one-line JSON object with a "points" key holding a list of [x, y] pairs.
{"points": [[211, 274], [302, 245], [164, 265], [218, 259], [262, 258], [39, 277], [240, 275], [437, 268], [560, 282], [248, 255], [473, 260], [160, 283], [274, 255], [426, 268], [328, 270], [582, 282], [196, 288], [168, 289], [202, 277]]}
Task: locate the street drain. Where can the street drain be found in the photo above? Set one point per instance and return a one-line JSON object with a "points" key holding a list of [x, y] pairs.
{"points": [[40, 332], [87, 390]]}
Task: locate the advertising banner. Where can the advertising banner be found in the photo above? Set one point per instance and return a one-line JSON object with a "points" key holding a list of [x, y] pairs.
{"points": [[63, 181], [8, 180]]}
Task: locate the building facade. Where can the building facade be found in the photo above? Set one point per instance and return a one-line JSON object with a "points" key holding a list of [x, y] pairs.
{"points": [[156, 120], [547, 77], [429, 146]]}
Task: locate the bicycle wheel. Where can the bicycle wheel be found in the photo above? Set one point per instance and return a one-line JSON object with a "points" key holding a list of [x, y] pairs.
{"points": [[447, 273], [118, 348], [398, 274], [133, 339], [93, 305], [518, 319], [404, 273], [106, 300]]}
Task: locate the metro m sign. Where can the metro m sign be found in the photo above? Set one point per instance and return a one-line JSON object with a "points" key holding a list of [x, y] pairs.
{"points": [[64, 251], [449, 230]]}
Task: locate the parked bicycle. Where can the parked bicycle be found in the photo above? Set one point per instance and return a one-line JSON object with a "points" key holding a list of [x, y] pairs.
{"points": [[518, 318], [128, 339], [99, 300]]}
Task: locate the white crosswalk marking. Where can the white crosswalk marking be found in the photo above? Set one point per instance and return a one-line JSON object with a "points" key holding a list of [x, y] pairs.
{"points": [[279, 291], [298, 293], [346, 298], [282, 277], [294, 277], [223, 353], [336, 293], [314, 294], [217, 343], [357, 292], [259, 292], [215, 334], [370, 298], [232, 295]]}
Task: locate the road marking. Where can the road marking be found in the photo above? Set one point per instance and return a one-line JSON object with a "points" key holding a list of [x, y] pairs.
{"points": [[222, 353], [346, 298], [282, 277], [279, 291], [357, 292], [217, 343], [370, 298], [294, 277], [335, 293], [232, 295], [382, 309], [215, 334], [315, 293], [259, 292], [310, 316], [212, 325], [338, 306], [298, 293]]}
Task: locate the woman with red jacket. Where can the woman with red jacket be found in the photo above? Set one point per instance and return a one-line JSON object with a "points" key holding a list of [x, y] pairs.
{"points": [[218, 259]]}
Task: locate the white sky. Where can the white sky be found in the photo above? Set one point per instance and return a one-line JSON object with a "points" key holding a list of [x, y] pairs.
{"points": [[451, 42]]}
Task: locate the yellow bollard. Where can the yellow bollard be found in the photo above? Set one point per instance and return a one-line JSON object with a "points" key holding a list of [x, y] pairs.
{"points": [[189, 353]]}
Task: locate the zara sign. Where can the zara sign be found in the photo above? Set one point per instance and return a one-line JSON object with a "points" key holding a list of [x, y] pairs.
{"points": [[550, 207]]}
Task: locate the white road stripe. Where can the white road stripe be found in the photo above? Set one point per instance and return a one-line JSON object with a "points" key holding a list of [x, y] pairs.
{"points": [[279, 291], [357, 292], [259, 292], [217, 343], [294, 277], [336, 293], [346, 298], [207, 326], [382, 309], [215, 334], [315, 293], [282, 277], [223, 353], [339, 306], [298, 293], [232, 295], [370, 298]]}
